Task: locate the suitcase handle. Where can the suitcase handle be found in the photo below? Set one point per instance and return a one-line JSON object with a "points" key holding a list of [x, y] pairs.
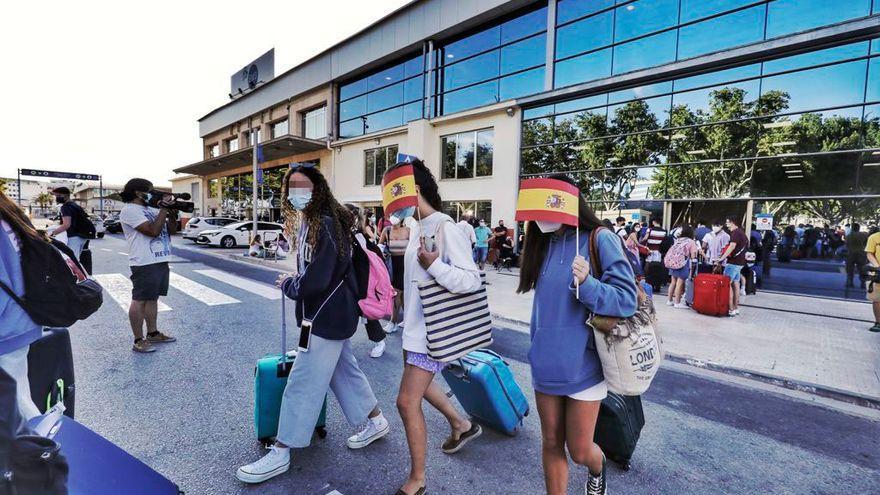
{"points": [[283, 328]]}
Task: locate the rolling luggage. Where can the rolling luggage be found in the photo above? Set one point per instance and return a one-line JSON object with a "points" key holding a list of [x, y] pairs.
{"points": [[689, 283], [484, 385], [99, 467], [50, 371], [712, 294], [270, 378], [619, 426]]}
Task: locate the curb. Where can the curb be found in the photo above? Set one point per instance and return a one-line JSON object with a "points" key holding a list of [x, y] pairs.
{"points": [[233, 257]]}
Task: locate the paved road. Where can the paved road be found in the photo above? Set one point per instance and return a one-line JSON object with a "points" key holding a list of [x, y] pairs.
{"points": [[187, 410]]}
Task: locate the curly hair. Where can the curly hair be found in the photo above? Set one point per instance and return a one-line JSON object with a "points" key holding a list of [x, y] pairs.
{"points": [[322, 204]]}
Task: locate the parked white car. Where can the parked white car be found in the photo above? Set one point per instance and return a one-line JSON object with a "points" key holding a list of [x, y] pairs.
{"points": [[237, 234], [197, 225]]}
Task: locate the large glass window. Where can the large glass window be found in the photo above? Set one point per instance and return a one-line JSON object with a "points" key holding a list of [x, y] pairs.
{"points": [[387, 98], [280, 128], [315, 123], [376, 162], [479, 210], [734, 29], [214, 150], [231, 145], [467, 154], [791, 16]]}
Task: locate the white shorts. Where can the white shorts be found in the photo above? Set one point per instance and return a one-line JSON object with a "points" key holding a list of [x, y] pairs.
{"points": [[595, 393]]}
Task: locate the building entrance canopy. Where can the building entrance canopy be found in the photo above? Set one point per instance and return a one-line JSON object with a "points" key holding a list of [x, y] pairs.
{"points": [[280, 147]]}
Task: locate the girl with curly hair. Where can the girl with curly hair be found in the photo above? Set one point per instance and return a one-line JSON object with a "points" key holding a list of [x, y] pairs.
{"points": [[324, 289]]}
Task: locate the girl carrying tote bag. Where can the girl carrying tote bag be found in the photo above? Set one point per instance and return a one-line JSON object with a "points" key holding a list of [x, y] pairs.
{"points": [[456, 323], [629, 348]]}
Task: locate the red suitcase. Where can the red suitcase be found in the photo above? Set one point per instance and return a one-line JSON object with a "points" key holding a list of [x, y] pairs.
{"points": [[712, 294]]}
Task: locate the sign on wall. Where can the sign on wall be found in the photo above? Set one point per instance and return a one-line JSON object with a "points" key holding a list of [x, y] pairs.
{"points": [[764, 221], [259, 71]]}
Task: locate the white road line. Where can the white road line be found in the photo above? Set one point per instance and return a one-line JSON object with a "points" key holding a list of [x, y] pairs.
{"points": [[108, 250], [124, 254], [260, 289], [119, 288], [201, 292]]}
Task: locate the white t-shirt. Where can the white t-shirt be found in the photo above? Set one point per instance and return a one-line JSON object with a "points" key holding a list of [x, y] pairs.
{"points": [[143, 249], [468, 230]]}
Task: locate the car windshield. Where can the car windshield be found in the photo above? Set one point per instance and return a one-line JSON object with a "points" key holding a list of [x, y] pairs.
{"points": [[236, 225], [194, 221]]}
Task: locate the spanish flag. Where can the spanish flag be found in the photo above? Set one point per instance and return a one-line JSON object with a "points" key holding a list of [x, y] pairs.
{"points": [[550, 200], [399, 189]]}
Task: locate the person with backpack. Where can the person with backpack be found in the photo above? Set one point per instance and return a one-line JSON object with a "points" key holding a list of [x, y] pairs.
{"points": [[437, 250], [325, 290], [375, 332], [735, 258], [74, 221], [566, 371], [18, 330], [678, 261]]}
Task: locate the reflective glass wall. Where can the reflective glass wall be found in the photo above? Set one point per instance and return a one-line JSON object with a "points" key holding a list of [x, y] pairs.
{"points": [[600, 38], [801, 126]]}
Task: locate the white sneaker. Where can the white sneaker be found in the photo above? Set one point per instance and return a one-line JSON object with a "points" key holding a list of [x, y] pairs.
{"points": [[375, 429], [276, 462], [680, 305], [669, 303], [731, 313], [378, 349], [736, 312]]}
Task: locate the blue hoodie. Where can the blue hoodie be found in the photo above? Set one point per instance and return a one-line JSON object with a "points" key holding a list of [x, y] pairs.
{"points": [[16, 327], [563, 352]]}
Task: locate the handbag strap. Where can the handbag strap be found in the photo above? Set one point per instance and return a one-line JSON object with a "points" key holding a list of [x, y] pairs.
{"points": [[13, 295]]}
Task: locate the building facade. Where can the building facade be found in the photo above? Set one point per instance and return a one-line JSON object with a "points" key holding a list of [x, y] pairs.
{"points": [[682, 109]]}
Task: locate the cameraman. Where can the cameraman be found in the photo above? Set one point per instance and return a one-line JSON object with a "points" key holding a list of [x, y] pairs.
{"points": [[872, 250], [149, 247]]}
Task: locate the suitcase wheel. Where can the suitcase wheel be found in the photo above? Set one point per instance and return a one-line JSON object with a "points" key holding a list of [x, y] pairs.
{"points": [[322, 432]]}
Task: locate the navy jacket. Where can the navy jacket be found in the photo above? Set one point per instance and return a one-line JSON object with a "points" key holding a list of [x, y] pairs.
{"points": [[327, 277]]}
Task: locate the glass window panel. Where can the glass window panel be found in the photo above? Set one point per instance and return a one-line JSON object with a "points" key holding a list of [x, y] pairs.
{"points": [[718, 77], [384, 98], [643, 17], [639, 115], [869, 180], [232, 145], [737, 28], [873, 93], [872, 129], [640, 92], [714, 142], [582, 125], [476, 43], [385, 77], [530, 113], [790, 16], [524, 83], [485, 151], [351, 128], [699, 100], [381, 164], [384, 120], [875, 44], [811, 133], [585, 35], [805, 176], [353, 108], [816, 58], [537, 160], [413, 67], [352, 89], [584, 68], [370, 167], [646, 52], [568, 10], [464, 155], [474, 96], [581, 103], [280, 128], [448, 166], [697, 9], [470, 71], [822, 87], [413, 89], [524, 54], [538, 131], [412, 111], [525, 25]]}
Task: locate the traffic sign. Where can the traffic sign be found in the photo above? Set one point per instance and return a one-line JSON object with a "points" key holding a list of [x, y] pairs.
{"points": [[764, 221], [59, 175]]}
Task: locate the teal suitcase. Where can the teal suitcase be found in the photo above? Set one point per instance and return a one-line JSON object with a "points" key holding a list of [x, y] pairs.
{"points": [[270, 378]]}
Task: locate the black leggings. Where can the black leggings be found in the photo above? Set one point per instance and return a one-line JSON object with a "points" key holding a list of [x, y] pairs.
{"points": [[374, 331]]}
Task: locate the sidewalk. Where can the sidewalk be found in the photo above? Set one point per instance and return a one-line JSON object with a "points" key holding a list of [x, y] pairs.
{"points": [[814, 350]]}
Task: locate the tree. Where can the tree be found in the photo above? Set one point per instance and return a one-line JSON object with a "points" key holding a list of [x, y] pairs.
{"points": [[44, 200]]}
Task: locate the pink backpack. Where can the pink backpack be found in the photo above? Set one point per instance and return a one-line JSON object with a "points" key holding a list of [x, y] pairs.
{"points": [[678, 254], [379, 301]]}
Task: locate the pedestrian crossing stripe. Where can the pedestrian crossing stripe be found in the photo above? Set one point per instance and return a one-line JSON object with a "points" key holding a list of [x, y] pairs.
{"points": [[119, 288], [201, 292], [260, 289]]}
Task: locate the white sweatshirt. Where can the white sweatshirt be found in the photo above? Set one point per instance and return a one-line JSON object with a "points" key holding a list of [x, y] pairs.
{"points": [[454, 269]]}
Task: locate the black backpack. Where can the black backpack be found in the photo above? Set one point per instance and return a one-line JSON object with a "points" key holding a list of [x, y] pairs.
{"points": [[83, 226], [57, 290]]}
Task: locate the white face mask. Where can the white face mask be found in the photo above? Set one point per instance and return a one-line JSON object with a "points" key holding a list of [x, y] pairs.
{"points": [[548, 227], [394, 220], [716, 229]]}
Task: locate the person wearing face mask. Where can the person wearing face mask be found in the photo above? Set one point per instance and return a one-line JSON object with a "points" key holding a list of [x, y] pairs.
{"points": [[715, 241], [396, 237], [566, 370], [481, 246], [74, 221], [446, 257], [326, 306]]}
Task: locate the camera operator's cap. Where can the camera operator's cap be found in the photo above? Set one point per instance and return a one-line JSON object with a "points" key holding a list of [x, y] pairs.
{"points": [[61, 191]]}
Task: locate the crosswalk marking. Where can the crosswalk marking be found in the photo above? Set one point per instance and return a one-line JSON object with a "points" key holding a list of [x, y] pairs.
{"points": [[124, 254], [119, 288], [201, 292], [264, 290], [105, 249]]}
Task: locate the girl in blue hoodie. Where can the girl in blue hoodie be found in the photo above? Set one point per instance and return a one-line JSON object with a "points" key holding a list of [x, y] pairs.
{"points": [[566, 371]]}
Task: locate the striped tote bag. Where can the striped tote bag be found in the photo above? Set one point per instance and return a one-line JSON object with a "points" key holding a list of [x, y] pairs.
{"points": [[456, 323]]}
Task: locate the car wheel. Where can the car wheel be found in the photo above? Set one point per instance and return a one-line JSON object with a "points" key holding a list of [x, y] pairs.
{"points": [[228, 242]]}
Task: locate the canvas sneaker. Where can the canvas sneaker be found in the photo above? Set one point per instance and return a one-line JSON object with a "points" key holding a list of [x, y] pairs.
{"points": [[596, 484], [378, 349], [669, 302], [375, 429], [680, 305], [276, 462], [160, 338], [143, 346]]}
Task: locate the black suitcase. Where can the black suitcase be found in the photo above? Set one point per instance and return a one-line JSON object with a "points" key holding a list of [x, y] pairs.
{"points": [[657, 275], [619, 426], [50, 371]]}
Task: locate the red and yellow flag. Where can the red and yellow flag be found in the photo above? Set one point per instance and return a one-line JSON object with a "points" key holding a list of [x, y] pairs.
{"points": [[549, 200], [399, 189]]}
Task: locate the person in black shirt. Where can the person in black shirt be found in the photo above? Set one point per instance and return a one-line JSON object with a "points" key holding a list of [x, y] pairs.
{"points": [[71, 220]]}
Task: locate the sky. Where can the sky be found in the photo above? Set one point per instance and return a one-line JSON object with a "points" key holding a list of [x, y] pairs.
{"points": [[115, 88]]}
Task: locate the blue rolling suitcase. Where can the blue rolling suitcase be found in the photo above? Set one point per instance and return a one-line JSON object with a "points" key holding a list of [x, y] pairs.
{"points": [[270, 378], [484, 385], [99, 467]]}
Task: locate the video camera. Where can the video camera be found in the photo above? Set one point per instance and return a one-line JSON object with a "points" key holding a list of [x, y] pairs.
{"points": [[872, 273], [179, 203]]}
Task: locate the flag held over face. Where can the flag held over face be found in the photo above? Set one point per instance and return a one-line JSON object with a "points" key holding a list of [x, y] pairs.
{"points": [[399, 189], [549, 200]]}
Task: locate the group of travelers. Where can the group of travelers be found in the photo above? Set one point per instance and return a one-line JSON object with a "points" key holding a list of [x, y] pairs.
{"points": [[485, 240]]}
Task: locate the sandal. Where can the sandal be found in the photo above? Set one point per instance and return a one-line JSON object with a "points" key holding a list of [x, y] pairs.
{"points": [[453, 445], [420, 491]]}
